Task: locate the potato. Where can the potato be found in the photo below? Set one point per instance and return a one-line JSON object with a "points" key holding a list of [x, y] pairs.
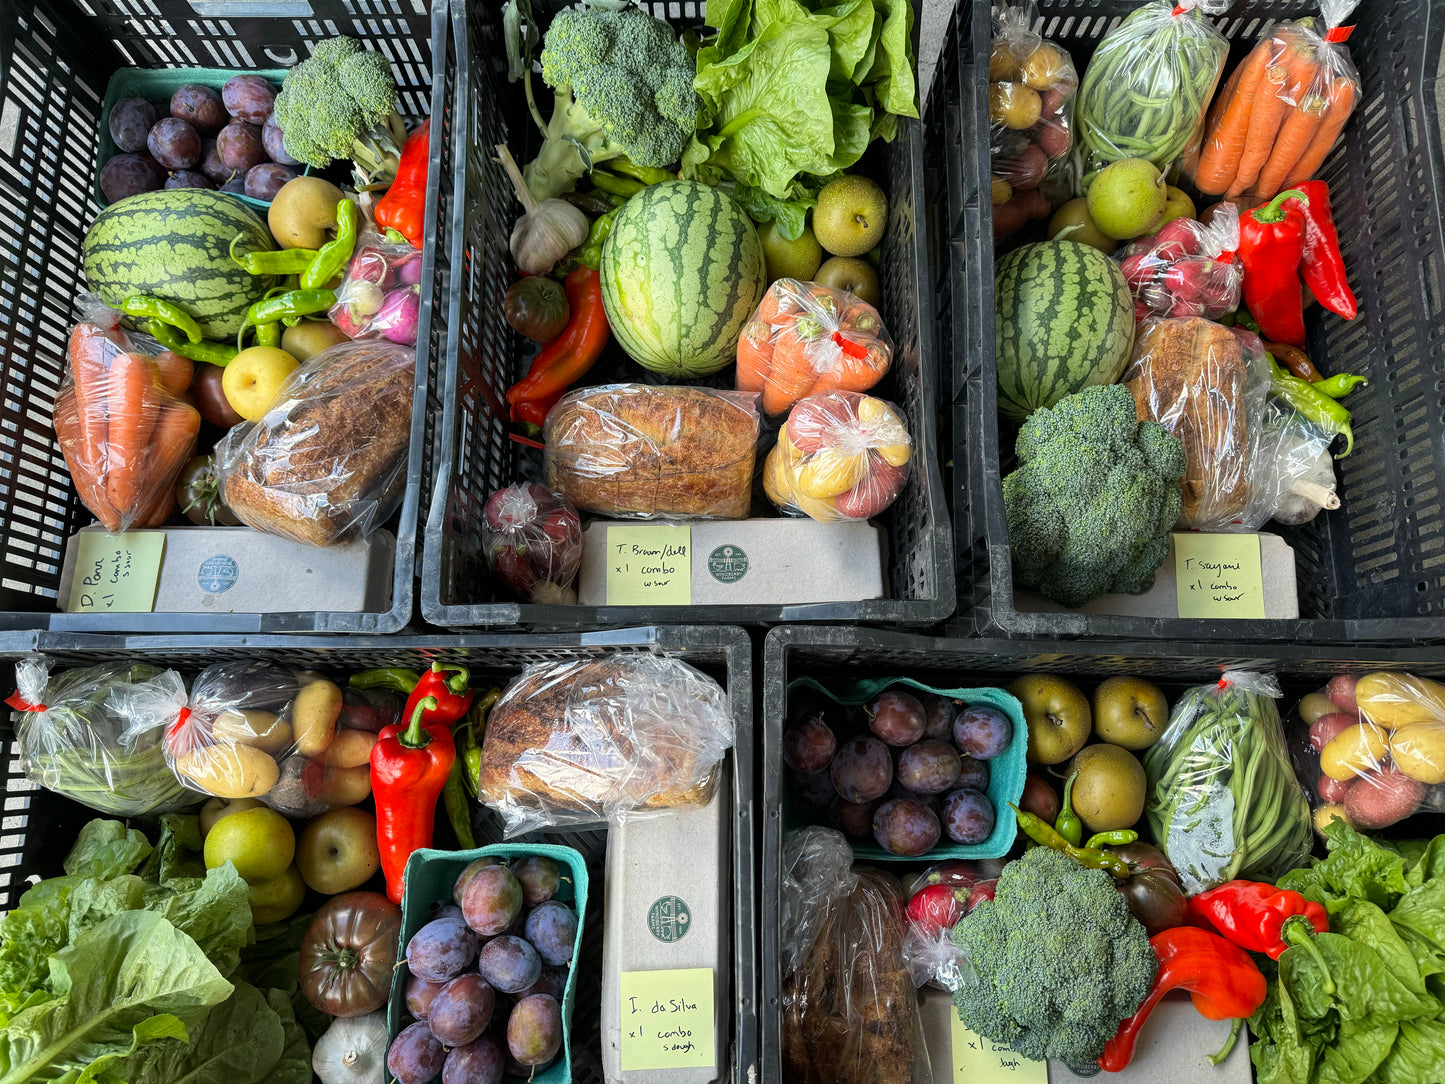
{"points": [[313, 716], [290, 794], [1379, 799], [1047, 66], [1052, 137], [1327, 813], [346, 786], [350, 749], [1395, 700], [1001, 62], [303, 212], [1026, 171], [1418, 750], [1014, 105], [1331, 790], [229, 771], [258, 728], [1327, 727], [1312, 706], [1002, 190], [1354, 751]]}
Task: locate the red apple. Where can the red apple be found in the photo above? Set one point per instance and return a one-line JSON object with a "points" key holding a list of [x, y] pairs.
{"points": [[875, 493], [814, 423]]}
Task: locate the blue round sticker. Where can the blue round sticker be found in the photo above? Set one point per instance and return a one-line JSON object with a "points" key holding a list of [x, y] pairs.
{"points": [[218, 573]]}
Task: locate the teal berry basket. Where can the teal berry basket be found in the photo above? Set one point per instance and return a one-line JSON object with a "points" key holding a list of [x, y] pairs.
{"points": [[1006, 772], [429, 877]]}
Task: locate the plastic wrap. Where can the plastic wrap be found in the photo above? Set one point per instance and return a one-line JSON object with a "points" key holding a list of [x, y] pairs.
{"points": [[327, 463], [602, 740], [1371, 750], [1145, 91], [805, 339], [850, 1014], [1223, 801], [1031, 107], [1186, 269], [1282, 111], [644, 451], [94, 734], [938, 899], [255, 730], [124, 430], [533, 542], [1295, 475], [380, 296], [839, 456]]}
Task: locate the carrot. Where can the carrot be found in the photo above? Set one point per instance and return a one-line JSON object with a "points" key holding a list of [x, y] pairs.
{"points": [[133, 401], [89, 484], [1341, 104], [90, 352], [755, 356], [1224, 144], [792, 376], [1271, 107], [173, 442], [1295, 134], [176, 373]]}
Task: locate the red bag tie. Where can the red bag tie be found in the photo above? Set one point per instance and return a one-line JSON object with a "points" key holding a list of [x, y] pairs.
{"points": [[19, 703], [1179, 9], [185, 714], [1224, 257], [848, 346], [1339, 33]]}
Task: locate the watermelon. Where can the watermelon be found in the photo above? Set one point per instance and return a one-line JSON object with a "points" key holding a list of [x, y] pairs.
{"points": [[175, 245], [1063, 320], [682, 272]]}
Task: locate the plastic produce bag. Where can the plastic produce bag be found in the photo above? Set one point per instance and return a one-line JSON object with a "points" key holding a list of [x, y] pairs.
{"points": [[255, 730], [1294, 479], [1372, 750], [1145, 91], [380, 297], [124, 431], [1031, 85], [850, 1014], [327, 463], [94, 734], [1187, 268], [572, 743], [805, 339], [1282, 110], [533, 541], [839, 456], [1223, 800]]}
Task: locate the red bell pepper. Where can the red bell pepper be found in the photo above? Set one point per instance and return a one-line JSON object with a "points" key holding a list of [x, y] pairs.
{"points": [[1262, 918], [565, 359], [448, 686], [1271, 246], [1323, 266], [403, 208]]}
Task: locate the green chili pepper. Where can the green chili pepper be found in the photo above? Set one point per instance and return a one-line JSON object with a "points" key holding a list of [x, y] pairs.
{"points": [[211, 353], [295, 303], [1246, 321], [332, 257], [143, 305], [396, 678], [1120, 837], [1068, 823], [1339, 385], [589, 253], [646, 174], [469, 749], [617, 186], [1309, 401], [285, 261], [268, 334], [1037, 829], [459, 807]]}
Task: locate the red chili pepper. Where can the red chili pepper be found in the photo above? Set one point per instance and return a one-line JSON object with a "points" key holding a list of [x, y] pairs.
{"points": [[1223, 982], [1323, 266], [410, 764], [1271, 246], [1261, 918], [448, 687], [403, 208], [567, 358]]}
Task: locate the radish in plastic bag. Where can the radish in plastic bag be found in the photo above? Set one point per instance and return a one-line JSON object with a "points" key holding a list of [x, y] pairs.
{"points": [[534, 543]]}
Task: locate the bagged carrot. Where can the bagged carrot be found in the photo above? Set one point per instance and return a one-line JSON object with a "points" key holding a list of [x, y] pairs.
{"points": [[1282, 110], [806, 338]]}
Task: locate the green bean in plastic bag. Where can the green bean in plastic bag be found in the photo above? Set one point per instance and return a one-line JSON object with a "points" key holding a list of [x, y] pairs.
{"points": [[1147, 89], [1223, 799]]}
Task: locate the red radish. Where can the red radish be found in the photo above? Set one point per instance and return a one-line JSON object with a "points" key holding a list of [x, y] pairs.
{"points": [[1331, 790], [1324, 729], [984, 890], [936, 908], [1341, 691]]}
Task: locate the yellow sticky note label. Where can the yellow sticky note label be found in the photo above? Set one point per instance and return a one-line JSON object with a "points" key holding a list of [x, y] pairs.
{"points": [[1218, 575], [667, 1019], [116, 573], [977, 1060], [649, 565]]}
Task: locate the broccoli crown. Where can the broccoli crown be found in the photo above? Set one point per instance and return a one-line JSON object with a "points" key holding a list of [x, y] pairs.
{"points": [[1094, 497], [333, 98], [629, 75], [1059, 959]]}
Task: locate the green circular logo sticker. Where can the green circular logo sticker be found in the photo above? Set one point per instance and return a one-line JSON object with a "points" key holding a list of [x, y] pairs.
{"points": [[728, 564], [668, 919]]}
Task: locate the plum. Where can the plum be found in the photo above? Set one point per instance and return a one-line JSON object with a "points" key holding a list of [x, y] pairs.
{"points": [[809, 746], [906, 827], [200, 107], [239, 146], [930, 767], [862, 770], [415, 1056], [131, 120], [968, 816], [274, 142], [896, 717], [938, 713], [983, 732], [129, 175], [249, 98], [174, 143], [853, 819], [188, 178], [815, 789], [265, 180]]}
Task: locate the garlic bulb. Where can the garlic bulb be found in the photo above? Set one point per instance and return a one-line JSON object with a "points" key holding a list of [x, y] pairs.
{"points": [[547, 231], [353, 1051]]}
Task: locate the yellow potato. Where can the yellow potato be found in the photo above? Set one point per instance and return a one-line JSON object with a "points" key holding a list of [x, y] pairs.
{"points": [[258, 728], [1353, 751], [1002, 64], [1418, 750], [1000, 190], [1045, 67], [895, 455], [1314, 705], [229, 771], [827, 474], [313, 716], [1327, 813], [1394, 700], [350, 749], [345, 786]]}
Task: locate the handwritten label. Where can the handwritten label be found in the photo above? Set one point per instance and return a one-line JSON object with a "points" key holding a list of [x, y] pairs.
{"points": [[116, 573], [977, 1060], [649, 565], [1218, 575], [667, 1019]]}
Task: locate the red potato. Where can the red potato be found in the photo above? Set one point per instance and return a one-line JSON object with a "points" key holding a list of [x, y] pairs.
{"points": [[1018, 212], [1331, 790], [1324, 729], [1025, 171], [1379, 799], [1053, 100], [1052, 137], [875, 493], [1341, 690]]}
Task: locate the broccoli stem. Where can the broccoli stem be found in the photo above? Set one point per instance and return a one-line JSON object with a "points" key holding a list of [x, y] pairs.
{"points": [[532, 105]]}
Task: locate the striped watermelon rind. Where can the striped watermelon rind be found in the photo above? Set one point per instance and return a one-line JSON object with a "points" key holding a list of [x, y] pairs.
{"points": [[1063, 320], [174, 244], [682, 272]]}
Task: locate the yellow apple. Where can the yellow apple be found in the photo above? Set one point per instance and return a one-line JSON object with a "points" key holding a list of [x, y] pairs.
{"points": [[254, 377]]}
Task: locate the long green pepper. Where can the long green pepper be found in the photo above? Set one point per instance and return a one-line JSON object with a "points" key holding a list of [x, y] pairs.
{"points": [[208, 352], [332, 257]]}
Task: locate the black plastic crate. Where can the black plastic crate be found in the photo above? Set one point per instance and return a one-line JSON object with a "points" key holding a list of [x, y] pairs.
{"points": [[39, 827], [1374, 569], [844, 654], [56, 57], [474, 453]]}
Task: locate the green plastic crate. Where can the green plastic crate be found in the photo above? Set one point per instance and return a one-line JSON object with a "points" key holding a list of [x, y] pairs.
{"points": [[430, 875]]}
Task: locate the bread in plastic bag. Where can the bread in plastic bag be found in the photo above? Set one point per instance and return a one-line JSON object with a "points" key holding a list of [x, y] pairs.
{"points": [[256, 730], [1145, 91], [840, 456], [533, 542], [327, 463], [850, 1013], [93, 734], [806, 338], [602, 740], [380, 296], [1223, 802], [122, 426], [1371, 750], [1282, 110], [644, 451], [1187, 268]]}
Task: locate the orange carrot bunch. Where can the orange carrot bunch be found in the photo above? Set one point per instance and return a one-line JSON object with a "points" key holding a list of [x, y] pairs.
{"points": [[1280, 113], [123, 428], [805, 339]]}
